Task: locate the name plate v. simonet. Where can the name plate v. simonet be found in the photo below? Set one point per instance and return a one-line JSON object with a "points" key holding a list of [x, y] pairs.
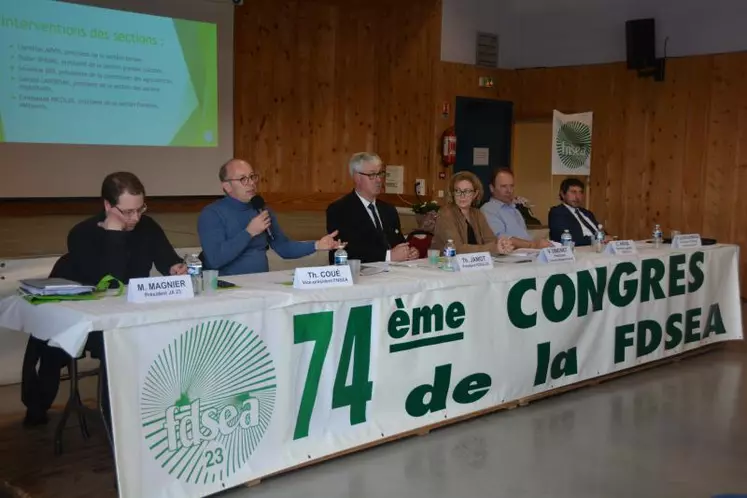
{"points": [[556, 255], [156, 289]]}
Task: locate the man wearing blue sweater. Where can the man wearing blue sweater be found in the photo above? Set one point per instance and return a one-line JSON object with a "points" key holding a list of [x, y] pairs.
{"points": [[234, 234]]}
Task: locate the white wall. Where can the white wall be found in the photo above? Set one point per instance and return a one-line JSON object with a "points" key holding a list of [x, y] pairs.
{"points": [[546, 33], [460, 22]]}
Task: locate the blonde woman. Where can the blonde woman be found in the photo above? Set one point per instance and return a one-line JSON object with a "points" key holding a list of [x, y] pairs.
{"points": [[462, 222]]}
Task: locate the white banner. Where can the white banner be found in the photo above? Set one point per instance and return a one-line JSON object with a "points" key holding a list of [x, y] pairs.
{"points": [[571, 143], [200, 406]]}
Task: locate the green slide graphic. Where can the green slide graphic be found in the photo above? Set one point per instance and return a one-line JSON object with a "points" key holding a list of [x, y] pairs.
{"points": [[75, 74], [199, 46]]}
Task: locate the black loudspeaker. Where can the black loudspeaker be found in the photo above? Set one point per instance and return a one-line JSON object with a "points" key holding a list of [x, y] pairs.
{"points": [[640, 39]]}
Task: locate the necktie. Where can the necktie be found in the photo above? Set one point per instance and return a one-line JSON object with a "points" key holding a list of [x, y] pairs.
{"points": [[377, 222], [588, 225]]}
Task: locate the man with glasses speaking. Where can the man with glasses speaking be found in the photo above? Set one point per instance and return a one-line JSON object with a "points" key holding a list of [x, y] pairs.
{"points": [[370, 227], [236, 231]]}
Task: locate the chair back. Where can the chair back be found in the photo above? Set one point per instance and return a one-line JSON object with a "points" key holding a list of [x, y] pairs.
{"points": [[63, 268], [420, 240]]}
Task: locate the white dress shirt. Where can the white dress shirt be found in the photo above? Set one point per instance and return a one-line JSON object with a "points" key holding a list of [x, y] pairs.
{"points": [[366, 203], [576, 214]]}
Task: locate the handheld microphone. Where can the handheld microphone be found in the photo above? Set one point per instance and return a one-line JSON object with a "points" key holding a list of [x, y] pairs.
{"points": [[258, 203]]}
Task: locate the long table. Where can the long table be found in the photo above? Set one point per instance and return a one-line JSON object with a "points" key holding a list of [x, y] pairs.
{"points": [[225, 389]]}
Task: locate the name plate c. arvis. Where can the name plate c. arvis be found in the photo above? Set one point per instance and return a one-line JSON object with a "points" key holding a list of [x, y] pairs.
{"points": [[156, 289], [474, 262], [622, 248], [687, 241], [322, 277], [561, 254]]}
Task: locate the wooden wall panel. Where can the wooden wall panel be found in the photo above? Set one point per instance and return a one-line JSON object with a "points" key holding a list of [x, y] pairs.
{"points": [[319, 80], [673, 152]]}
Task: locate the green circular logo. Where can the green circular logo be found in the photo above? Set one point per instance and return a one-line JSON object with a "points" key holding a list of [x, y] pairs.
{"points": [[573, 144], [207, 401]]}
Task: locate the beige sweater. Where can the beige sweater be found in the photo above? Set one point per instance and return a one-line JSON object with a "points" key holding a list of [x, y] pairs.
{"points": [[451, 224]]}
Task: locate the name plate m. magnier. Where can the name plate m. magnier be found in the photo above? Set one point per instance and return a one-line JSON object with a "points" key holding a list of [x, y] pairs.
{"points": [[156, 289]]}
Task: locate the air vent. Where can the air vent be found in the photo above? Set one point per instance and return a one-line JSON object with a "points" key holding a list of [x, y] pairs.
{"points": [[487, 50]]}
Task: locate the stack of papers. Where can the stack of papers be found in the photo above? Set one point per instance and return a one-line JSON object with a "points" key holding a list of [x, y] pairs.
{"points": [[53, 287]]}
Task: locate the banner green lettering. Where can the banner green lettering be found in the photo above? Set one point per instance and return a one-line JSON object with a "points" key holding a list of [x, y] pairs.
{"points": [[472, 388], [692, 324], [696, 272], [567, 298], [356, 355], [677, 274], [652, 273], [646, 344], [714, 323], [674, 331], [589, 291], [622, 299], [517, 317], [623, 341]]}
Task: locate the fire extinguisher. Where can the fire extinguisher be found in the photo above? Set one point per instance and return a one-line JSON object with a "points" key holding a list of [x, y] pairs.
{"points": [[448, 152]]}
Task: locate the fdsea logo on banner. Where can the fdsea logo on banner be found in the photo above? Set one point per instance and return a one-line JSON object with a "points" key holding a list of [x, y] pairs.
{"points": [[207, 401]]}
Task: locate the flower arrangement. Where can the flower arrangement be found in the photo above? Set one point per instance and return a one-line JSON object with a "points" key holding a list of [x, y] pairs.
{"points": [[525, 208], [425, 207], [426, 214]]}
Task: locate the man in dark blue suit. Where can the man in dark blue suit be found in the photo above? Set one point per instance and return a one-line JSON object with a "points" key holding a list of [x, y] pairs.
{"points": [[571, 216]]}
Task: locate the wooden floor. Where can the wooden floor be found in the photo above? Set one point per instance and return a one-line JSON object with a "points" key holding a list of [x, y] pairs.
{"points": [[27, 460]]}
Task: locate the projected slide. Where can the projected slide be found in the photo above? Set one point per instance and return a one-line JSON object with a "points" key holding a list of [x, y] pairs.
{"points": [[72, 74]]}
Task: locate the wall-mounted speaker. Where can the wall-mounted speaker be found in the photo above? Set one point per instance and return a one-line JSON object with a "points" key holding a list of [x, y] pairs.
{"points": [[640, 39]]}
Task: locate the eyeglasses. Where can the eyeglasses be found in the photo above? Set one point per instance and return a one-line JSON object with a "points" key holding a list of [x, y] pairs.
{"points": [[131, 213], [464, 193], [244, 180], [373, 176]]}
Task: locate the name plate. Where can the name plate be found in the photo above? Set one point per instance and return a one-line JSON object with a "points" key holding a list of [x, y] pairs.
{"points": [[687, 241], [322, 277], [477, 261], [156, 289], [556, 255], [622, 248]]}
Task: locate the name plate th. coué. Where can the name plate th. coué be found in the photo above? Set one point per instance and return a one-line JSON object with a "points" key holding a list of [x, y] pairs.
{"points": [[156, 289], [322, 277]]}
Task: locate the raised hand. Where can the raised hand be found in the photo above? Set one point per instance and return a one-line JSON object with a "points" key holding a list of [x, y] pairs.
{"points": [[328, 242], [259, 224]]}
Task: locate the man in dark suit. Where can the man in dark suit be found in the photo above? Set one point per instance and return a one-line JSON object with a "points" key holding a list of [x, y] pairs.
{"points": [[370, 227], [571, 216]]}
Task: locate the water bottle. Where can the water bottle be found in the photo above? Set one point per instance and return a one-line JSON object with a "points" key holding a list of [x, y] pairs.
{"points": [[194, 270], [341, 257], [599, 238], [566, 240], [449, 255], [658, 236]]}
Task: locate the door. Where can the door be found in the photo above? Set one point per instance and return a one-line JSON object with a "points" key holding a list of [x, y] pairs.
{"points": [[483, 131]]}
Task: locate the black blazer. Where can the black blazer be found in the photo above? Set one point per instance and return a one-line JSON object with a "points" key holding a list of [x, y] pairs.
{"points": [[348, 215], [561, 219]]}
